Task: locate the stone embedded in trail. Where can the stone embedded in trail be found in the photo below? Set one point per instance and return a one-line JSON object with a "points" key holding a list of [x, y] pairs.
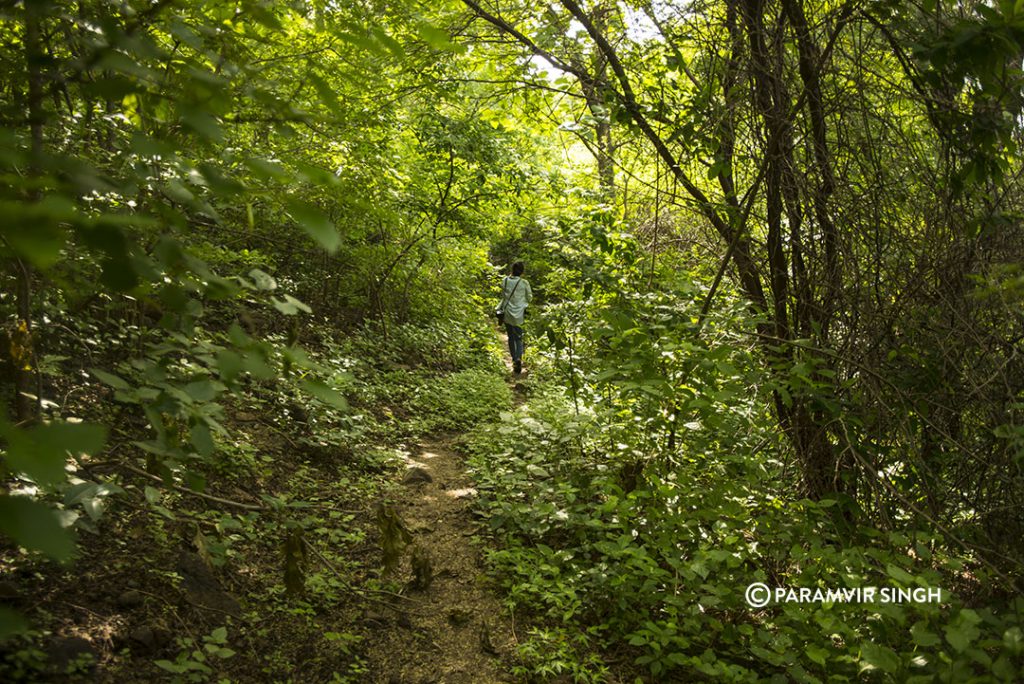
{"points": [[201, 586], [130, 599], [416, 476], [459, 617], [485, 639], [144, 635], [148, 637]]}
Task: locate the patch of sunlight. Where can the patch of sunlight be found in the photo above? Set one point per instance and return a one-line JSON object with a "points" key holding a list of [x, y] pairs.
{"points": [[426, 455]]}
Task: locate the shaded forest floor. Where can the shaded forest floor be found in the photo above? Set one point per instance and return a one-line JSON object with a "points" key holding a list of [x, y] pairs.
{"points": [[175, 585]]}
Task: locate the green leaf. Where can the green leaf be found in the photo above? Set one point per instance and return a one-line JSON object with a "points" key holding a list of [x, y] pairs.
{"points": [[35, 527], [152, 494], [94, 507], [169, 666], [316, 224], [963, 630], [201, 438], [267, 169], [203, 390], [290, 306], [264, 16], [325, 394], [879, 657], [203, 124], [219, 182], [434, 37], [922, 636], [228, 523], [33, 229], [110, 379], [166, 512], [899, 574], [196, 480], [11, 623], [262, 280], [1013, 640], [326, 92], [390, 43], [41, 452], [229, 365], [816, 654]]}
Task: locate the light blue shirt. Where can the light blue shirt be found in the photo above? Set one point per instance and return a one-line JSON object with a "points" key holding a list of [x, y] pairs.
{"points": [[518, 298]]}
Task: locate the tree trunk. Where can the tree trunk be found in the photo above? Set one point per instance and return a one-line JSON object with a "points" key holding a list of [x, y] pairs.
{"points": [[24, 406]]}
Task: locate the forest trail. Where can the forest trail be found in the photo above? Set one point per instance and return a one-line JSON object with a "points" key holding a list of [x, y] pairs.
{"points": [[456, 630]]}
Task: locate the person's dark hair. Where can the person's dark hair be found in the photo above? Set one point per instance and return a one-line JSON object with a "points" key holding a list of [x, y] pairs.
{"points": [[517, 268]]}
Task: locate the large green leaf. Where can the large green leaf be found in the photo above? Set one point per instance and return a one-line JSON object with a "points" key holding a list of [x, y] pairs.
{"points": [[11, 623], [41, 452], [316, 224], [325, 394], [35, 527], [877, 656]]}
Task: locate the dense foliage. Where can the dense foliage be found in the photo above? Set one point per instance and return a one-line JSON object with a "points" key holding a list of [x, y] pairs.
{"points": [[247, 253]]}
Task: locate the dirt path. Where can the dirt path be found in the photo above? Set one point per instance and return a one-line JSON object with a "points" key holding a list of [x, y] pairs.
{"points": [[455, 631]]}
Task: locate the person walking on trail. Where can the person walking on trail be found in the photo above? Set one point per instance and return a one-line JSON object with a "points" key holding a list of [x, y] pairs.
{"points": [[516, 293]]}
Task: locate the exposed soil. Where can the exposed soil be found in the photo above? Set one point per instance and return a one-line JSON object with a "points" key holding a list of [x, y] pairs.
{"points": [[455, 631]]}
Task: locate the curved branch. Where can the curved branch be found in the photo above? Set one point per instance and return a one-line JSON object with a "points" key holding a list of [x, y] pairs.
{"points": [[511, 30], [748, 272]]}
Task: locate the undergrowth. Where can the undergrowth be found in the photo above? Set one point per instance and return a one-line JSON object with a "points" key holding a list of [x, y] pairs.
{"points": [[278, 508], [648, 564]]}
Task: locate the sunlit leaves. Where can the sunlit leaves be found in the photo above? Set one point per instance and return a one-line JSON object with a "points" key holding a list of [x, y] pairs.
{"points": [[203, 124], [261, 280], [435, 37], [290, 306], [315, 223], [325, 91]]}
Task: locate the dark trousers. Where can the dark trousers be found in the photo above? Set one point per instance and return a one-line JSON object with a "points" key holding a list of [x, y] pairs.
{"points": [[515, 341]]}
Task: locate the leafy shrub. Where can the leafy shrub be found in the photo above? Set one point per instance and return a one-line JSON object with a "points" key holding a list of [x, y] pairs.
{"points": [[660, 563], [551, 653], [463, 399], [436, 345]]}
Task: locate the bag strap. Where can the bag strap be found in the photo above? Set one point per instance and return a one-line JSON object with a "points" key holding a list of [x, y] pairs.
{"points": [[505, 303]]}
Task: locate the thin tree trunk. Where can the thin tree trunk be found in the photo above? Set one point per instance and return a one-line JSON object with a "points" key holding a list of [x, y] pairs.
{"points": [[24, 406]]}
